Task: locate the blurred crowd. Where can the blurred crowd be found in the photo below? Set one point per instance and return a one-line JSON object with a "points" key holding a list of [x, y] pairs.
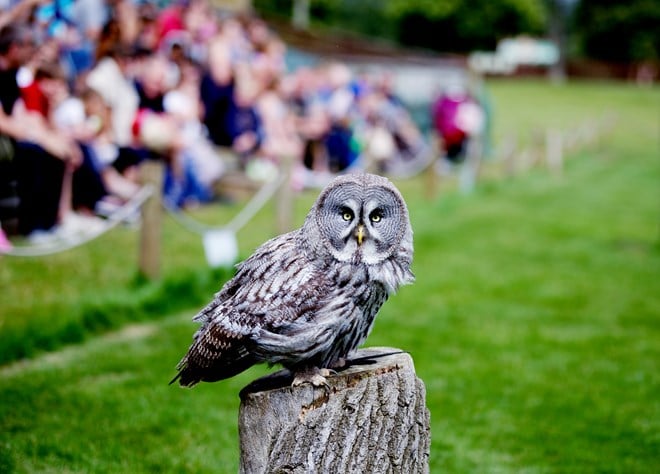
{"points": [[91, 88]]}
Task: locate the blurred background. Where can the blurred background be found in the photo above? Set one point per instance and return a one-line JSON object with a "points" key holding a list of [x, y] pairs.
{"points": [[147, 146]]}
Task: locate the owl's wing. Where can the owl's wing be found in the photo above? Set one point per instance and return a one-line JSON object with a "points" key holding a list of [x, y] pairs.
{"points": [[311, 332], [273, 291], [220, 350]]}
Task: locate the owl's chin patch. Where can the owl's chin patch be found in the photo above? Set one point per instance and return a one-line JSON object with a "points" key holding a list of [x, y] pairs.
{"points": [[366, 253], [370, 254], [344, 255]]}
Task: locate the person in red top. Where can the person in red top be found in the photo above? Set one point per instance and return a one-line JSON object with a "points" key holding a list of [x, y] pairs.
{"points": [[171, 20], [457, 117], [28, 76]]}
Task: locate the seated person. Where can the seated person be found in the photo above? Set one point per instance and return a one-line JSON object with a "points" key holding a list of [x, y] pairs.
{"points": [[46, 165]]}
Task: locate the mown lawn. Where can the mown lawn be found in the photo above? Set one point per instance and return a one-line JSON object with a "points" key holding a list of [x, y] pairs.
{"points": [[534, 321]]}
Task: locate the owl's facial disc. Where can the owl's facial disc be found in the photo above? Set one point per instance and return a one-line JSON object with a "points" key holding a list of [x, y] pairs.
{"points": [[361, 224]]}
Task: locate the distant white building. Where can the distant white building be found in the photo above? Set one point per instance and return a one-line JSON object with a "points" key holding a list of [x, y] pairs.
{"points": [[514, 52]]}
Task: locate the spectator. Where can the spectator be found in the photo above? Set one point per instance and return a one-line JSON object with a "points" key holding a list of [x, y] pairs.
{"points": [[456, 118], [86, 119], [168, 123], [280, 137], [43, 161], [5, 243], [217, 90], [17, 12], [127, 14], [88, 17], [197, 167], [45, 55], [84, 186], [110, 79], [242, 121]]}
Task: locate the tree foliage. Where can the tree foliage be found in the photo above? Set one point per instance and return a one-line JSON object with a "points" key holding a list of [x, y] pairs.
{"points": [[619, 30], [612, 30], [442, 25], [461, 26], [431, 9]]}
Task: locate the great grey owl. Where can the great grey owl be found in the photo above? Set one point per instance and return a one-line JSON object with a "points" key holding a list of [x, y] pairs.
{"points": [[307, 298]]}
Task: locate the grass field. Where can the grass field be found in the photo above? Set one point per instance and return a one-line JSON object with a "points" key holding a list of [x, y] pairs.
{"points": [[534, 321]]}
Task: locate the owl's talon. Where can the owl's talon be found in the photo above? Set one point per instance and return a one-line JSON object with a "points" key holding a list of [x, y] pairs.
{"points": [[314, 376], [339, 364]]}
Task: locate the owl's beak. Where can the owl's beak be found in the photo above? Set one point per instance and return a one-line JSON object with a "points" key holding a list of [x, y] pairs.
{"points": [[359, 234]]}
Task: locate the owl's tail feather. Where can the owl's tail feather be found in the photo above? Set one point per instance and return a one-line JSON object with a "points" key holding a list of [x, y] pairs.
{"points": [[186, 375], [191, 374], [187, 378], [176, 377]]}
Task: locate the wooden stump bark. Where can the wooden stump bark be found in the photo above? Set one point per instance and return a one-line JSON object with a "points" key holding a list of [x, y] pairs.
{"points": [[372, 419]]}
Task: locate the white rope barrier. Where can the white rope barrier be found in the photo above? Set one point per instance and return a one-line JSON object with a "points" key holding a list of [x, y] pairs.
{"points": [[406, 170], [114, 219], [265, 193]]}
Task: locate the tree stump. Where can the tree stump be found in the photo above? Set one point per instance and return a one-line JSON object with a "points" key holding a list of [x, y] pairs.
{"points": [[371, 419]]}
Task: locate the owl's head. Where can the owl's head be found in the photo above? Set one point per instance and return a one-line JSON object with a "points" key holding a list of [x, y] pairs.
{"points": [[360, 218]]}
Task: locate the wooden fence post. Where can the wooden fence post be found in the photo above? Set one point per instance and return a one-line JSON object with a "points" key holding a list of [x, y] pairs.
{"points": [[469, 170], [537, 143], [372, 419], [554, 151], [284, 199], [508, 154], [432, 179], [151, 172]]}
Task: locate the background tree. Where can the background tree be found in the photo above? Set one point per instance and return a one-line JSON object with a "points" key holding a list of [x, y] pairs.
{"points": [[619, 30], [559, 14], [441, 25], [465, 25]]}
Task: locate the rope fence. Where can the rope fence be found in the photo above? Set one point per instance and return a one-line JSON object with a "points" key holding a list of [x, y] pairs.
{"points": [[120, 215], [547, 147], [254, 205], [213, 236]]}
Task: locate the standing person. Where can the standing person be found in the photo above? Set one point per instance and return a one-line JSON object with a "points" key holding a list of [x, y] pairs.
{"points": [[217, 89], [457, 118]]}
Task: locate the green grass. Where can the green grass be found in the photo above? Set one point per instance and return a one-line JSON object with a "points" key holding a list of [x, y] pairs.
{"points": [[534, 321]]}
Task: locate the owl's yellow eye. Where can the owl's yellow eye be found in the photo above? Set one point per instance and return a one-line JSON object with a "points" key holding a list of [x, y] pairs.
{"points": [[347, 215], [375, 217]]}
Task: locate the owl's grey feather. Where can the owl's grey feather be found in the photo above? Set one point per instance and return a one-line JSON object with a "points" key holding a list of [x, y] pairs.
{"points": [[307, 298]]}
